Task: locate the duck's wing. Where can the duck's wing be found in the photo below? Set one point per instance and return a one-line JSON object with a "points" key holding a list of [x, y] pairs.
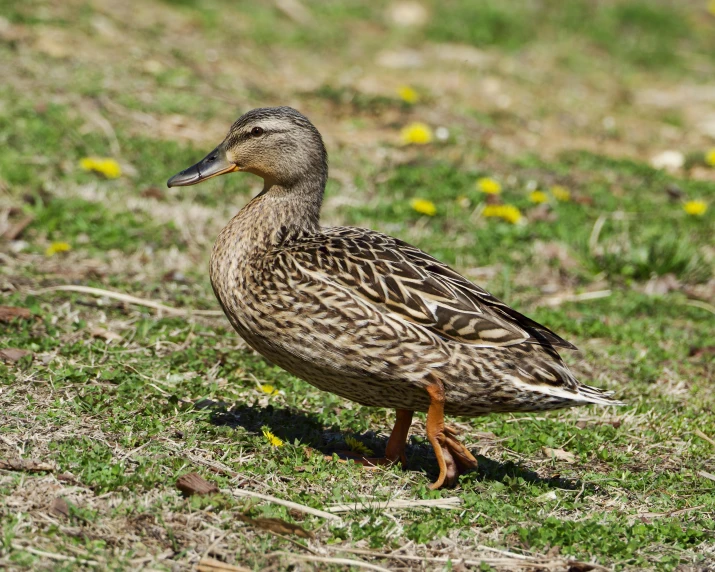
{"points": [[402, 280]]}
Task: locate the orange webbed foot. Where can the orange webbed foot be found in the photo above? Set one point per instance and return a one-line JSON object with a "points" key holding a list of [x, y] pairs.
{"points": [[453, 458]]}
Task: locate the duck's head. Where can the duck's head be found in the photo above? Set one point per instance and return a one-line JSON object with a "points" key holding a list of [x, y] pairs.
{"points": [[278, 144]]}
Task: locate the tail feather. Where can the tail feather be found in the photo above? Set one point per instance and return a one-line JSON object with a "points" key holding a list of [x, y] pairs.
{"points": [[553, 377], [566, 395], [591, 394]]}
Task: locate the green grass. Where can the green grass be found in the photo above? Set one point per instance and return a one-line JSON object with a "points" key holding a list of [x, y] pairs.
{"points": [[172, 395], [77, 220], [131, 414], [644, 233], [643, 34]]}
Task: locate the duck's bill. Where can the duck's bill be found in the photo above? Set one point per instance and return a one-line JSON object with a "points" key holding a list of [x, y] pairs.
{"points": [[214, 164]]}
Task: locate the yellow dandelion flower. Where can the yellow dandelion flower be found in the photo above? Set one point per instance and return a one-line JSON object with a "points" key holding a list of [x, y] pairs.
{"points": [[272, 439], [711, 7], [508, 213], [417, 133], [710, 153], [695, 208], [489, 186], [269, 389], [56, 247], [538, 197], [561, 194], [424, 206], [358, 446], [407, 94], [102, 165]]}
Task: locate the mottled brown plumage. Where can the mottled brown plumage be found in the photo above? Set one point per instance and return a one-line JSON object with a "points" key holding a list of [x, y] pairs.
{"points": [[365, 315]]}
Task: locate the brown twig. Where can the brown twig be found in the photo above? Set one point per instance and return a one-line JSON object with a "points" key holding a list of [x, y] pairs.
{"points": [[18, 228], [26, 465], [194, 484]]}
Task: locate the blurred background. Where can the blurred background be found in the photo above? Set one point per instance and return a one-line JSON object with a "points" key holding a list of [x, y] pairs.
{"points": [[611, 101]]}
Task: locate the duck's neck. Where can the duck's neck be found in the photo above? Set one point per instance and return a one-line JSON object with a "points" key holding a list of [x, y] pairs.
{"points": [[275, 215], [291, 208]]}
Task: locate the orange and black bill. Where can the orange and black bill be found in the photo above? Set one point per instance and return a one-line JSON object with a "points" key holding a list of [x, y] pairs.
{"points": [[214, 164]]}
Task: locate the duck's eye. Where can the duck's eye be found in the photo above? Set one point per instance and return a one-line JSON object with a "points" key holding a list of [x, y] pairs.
{"points": [[257, 131]]}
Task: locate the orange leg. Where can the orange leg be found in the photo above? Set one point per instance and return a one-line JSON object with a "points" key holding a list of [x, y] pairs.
{"points": [[398, 438], [453, 458], [396, 445]]}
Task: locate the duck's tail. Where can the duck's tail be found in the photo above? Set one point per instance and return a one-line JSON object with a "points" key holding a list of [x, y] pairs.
{"points": [[589, 394], [554, 379]]}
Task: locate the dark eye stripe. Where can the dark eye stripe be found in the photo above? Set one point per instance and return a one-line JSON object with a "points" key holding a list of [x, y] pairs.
{"points": [[243, 136]]}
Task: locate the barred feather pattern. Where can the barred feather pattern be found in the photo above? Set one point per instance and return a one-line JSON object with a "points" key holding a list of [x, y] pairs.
{"points": [[368, 317]]}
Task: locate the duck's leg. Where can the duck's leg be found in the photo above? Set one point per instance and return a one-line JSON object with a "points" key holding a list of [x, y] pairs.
{"points": [[453, 458], [396, 445]]}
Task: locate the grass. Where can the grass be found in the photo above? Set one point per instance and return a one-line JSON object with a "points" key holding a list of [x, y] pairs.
{"points": [[124, 400], [640, 34]]}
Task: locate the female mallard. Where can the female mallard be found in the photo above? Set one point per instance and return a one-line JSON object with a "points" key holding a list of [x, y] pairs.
{"points": [[365, 315]]}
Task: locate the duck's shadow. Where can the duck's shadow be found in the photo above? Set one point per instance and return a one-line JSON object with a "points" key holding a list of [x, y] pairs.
{"points": [[292, 426]]}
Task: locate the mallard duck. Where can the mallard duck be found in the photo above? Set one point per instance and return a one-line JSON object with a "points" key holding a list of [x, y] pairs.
{"points": [[364, 315]]}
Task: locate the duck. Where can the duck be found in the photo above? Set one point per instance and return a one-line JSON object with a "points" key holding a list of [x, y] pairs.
{"points": [[364, 315]]}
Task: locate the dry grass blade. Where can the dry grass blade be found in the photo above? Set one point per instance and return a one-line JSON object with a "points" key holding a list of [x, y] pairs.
{"points": [[703, 436], [105, 334], [214, 466], [446, 503], [276, 525], [595, 233], [559, 299], [295, 11], [328, 560], [289, 504], [707, 475], [670, 514], [700, 304], [128, 299], [504, 552], [55, 556], [510, 561], [211, 565]]}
